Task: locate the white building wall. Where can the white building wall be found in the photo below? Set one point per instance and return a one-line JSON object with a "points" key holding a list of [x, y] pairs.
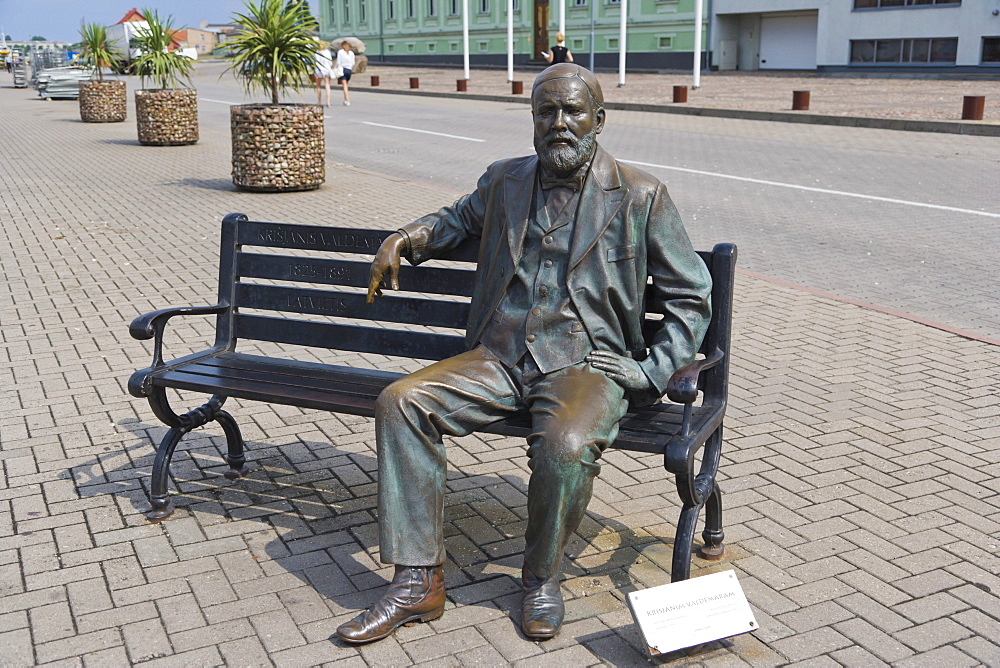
{"points": [[839, 23]]}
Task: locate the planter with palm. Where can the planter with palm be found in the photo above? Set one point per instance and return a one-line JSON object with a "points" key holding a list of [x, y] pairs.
{"points": [[166, 115], [101, 101], [276, 147]]}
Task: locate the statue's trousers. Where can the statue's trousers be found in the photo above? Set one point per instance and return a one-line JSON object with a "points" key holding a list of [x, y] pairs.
{"points": [[574, 416]]}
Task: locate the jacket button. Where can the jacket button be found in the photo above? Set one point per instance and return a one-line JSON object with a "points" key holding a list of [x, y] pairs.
{"points": [[536, 311], [548, 263], [531, 338], [547, 240]]}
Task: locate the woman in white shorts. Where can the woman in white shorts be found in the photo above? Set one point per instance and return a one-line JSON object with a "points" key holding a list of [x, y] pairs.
{"points": [[323, 72]]}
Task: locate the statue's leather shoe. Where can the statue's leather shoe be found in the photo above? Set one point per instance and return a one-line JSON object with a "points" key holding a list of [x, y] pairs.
{"points": [[416, 594], [542, 607]]}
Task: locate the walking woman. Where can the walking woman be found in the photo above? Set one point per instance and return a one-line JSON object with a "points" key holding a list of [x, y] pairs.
{"points": [[345, 62], [559, 53], [323, 72]]}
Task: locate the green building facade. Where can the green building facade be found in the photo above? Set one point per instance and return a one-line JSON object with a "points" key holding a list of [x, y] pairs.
{"points": [[660, 33]]}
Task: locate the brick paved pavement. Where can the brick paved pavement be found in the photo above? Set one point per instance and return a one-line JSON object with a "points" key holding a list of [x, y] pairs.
{"points": [[863, 508]]}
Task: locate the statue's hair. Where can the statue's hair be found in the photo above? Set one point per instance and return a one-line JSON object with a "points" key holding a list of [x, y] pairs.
{"points": [[569, 71]]}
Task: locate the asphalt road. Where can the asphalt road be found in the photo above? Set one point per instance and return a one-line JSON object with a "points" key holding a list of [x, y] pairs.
{"points": [[902, 220]]}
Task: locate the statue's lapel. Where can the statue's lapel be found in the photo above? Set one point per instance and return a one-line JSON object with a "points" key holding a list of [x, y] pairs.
{"points": [[518, 187], [600, 201]]}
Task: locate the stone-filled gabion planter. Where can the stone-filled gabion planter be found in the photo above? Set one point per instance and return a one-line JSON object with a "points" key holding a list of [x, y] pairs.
{"points": [[103, 102], [167, 117], [278, 147]]}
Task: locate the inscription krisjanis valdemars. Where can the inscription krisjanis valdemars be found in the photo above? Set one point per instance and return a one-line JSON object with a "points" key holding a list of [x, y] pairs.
{"points": [[317, 238], [309, 303]]}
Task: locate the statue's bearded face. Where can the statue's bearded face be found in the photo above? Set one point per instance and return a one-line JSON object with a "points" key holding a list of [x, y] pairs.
{"points": [[566, 124]]}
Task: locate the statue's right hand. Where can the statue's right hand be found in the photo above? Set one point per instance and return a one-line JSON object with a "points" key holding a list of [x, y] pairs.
{"points": [[386, 260]]}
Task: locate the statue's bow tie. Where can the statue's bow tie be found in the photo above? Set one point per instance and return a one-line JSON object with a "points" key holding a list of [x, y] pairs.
{"points": [[549, 182]]}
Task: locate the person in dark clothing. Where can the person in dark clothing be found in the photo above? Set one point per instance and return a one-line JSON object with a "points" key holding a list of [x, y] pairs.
{"points": [[559, 53]]}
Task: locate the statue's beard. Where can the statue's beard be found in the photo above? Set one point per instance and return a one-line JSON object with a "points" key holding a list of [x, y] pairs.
{"points": [[561, 158]]}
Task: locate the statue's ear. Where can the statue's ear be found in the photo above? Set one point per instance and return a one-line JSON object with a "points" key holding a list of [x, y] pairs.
{"points": [[600, 118]]}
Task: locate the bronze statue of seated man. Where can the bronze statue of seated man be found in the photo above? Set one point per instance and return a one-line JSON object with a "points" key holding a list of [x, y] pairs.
{"points": [[569, 239]]}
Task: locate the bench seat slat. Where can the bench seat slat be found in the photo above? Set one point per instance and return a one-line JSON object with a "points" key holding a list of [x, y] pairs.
{"points": [[404, 310], [353, 338]]}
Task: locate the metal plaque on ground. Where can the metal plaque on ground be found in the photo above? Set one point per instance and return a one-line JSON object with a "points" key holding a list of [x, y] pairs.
{"points": [[691, 612]]}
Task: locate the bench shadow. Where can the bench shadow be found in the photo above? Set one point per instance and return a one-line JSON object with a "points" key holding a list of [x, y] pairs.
{"points": [[209, 184], [317, 503]]}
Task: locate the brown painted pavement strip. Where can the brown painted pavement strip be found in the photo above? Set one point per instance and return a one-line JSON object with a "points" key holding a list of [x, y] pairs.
{"points": [[896, 98], [860, 469]]}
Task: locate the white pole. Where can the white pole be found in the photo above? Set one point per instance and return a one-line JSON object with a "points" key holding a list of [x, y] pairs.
{"points": [[697, 44], [510, 40], [562, 16], [621, 42], [465, 37]]}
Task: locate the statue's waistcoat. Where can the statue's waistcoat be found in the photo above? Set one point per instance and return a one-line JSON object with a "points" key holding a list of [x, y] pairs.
{"points": [[536, 314]]}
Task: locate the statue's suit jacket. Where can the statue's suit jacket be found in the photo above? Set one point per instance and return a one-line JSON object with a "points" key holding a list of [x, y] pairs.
{"points": [[626, 229]]}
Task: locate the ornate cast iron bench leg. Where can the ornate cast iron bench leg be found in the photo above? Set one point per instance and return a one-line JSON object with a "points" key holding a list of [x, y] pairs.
{"points": [[713, 549], [179, 426], [696, 492]]}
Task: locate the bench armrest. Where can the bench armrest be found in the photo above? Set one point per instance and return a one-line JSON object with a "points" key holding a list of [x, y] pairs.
{"points": [[683, 385], [152, 325]]}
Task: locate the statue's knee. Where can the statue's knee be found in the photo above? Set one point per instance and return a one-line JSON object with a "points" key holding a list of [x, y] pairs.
{"points": [[567, 446], [395, 397]]}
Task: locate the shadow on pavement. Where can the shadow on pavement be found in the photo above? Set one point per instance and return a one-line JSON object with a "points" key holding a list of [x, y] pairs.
{"points": [[317, 504]]}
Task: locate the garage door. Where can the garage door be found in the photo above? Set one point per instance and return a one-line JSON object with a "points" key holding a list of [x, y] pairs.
{"points": [[788, 42]]}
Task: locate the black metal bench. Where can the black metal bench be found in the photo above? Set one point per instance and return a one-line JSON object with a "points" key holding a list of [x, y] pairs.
{"points": [[288, 285]]}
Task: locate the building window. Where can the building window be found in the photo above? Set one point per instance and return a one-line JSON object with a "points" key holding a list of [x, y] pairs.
{"points": [[410, 13], [886, 4], [612, 42], [431, 47], [578, 45], [614, 2], [453, 8], [665, 42], [347, 12], [329, 8], [411, 47], [484, 6], [430, 8], [362, 11], [454, 47], [391, 10], [991, 50], [391, 48], [941, 50], [484, 46]]}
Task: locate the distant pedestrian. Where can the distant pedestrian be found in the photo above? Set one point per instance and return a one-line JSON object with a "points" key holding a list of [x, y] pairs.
{"points": [[345, 61], [559, 52], [323, 72]]}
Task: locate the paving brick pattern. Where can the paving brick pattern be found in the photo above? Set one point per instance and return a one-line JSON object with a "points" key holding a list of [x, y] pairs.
{"points": [[860, 471]]}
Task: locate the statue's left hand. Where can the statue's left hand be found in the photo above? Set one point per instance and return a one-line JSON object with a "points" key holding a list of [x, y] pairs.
{"points": [[623, 370]]}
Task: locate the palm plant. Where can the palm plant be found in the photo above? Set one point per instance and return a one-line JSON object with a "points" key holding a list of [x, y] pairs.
{"points": [[273, 47], [95, 52], [166, 68]]}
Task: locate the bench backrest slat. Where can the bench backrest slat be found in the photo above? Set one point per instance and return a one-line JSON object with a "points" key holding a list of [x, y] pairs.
{"points": [[352, 273], [352, 305], [352, 338]]}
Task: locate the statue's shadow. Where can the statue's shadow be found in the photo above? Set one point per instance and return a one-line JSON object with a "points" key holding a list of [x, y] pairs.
{"points": [[315, 508]]}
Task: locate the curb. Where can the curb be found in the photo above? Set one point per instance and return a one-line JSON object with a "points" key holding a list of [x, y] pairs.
{"points": [[979, 129]]}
